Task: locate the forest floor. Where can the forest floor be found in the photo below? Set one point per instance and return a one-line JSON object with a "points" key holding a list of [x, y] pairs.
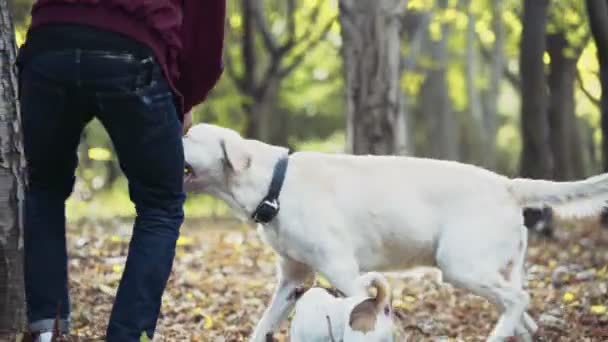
{"points": [[224, 275]]}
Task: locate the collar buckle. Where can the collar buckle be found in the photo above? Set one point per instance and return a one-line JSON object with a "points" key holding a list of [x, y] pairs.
{"points": [[266, 211]]}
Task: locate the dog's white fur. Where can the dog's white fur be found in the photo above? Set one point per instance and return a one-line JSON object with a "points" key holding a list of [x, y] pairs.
{"points": [[342, 215], [319, 314]]}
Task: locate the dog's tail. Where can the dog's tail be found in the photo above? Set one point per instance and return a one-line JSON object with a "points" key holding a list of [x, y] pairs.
{"points": [[568, 199], [378, 281]]}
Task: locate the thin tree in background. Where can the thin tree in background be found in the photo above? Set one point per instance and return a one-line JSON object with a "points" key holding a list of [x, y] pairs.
{"points": [[371, 50], [491, 95], [260, 77], [482, 149], [12, 165], [414, 28], [565, 139], [440, 122], [598, 20], [536, 159]]}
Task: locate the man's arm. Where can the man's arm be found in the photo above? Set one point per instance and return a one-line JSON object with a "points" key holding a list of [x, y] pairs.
{"points": [[200, 61]]}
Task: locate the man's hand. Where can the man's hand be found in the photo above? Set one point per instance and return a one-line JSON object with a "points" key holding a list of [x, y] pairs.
{"points": [[187, 122]]}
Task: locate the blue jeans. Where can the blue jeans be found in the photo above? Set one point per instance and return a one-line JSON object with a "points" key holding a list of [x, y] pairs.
{"points": [[61, 91]]}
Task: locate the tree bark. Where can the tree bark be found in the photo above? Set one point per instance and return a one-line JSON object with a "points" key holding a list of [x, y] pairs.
{"points": [[441, 125], [416, 39], [564, 133], [12, 165], [491, 96], [261, 123], [597, 11], [536, 160], [481, 149], [371, 52]]}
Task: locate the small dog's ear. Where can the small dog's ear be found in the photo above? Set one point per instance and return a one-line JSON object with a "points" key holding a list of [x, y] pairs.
{"points": [[235, 156]]}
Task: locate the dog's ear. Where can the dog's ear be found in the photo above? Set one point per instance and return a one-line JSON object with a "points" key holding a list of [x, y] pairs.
{"points": [[235, 157], [363, 316]]}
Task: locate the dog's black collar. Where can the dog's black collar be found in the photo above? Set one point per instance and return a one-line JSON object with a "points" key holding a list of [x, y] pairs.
{"points": [[269, 207]]}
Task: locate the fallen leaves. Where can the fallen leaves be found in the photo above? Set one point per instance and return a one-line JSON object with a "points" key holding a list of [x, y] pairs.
{"points": [[223, 277], [598, 309], [568, 297]]}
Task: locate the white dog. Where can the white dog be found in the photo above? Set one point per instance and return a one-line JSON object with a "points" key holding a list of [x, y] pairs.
{"points": [[341, 215], [321, 317]]}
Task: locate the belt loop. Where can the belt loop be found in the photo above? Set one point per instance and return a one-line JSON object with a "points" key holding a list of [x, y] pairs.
{"points": [[149, 67], [146, 73]]}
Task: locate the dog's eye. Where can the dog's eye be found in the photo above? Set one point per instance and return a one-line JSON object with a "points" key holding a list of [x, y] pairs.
{"points": [[387, 310], [188, 170]]}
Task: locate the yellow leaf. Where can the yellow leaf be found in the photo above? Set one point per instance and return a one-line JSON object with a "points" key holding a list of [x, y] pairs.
{"points": [[184, 241], [602, 272], [568, 297], [409, 299], [435, 31], [323, 282], [106, 289], [208, 322], [235, 21], [598, 309], [117, 268], [546, 58], [419, 5], [100, 153], [399, 304]]}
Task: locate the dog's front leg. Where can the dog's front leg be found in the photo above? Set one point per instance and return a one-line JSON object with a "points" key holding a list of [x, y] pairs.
{"points": [[291, 275]]}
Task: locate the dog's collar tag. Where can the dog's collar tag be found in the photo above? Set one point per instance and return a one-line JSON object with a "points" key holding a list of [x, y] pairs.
{"points": [[268, 209]]}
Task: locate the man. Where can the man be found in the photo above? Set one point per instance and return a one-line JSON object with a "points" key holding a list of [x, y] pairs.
{"points": [[138, 66]]}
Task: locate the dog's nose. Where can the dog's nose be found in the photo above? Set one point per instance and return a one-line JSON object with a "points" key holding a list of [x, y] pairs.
{"points": [[188, 171]]}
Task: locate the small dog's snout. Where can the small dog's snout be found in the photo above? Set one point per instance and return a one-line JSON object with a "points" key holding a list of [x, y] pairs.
{"points": [[188, 170]]}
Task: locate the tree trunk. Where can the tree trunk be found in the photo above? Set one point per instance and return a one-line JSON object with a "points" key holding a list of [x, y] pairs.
{"points": [[598, 20], [12, 165], [564, 135], [588, 165], [371, 52], [490, 98], [261, 121], [250, 105], [536, 161], [591, 154], [441, 124], [416, 41], [480, 146]]}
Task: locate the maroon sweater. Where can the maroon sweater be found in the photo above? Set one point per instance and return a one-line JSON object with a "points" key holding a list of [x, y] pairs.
{"points": [[186, 35]]}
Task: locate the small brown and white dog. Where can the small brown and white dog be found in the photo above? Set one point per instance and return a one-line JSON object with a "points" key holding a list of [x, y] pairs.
{"points": [[321, 317], [343, 215]]}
